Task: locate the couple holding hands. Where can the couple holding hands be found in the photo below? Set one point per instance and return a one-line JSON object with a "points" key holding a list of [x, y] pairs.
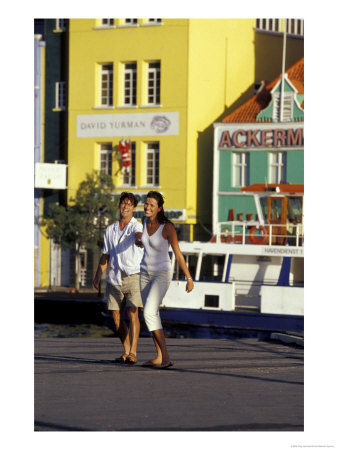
{"points": [[139, 273]]}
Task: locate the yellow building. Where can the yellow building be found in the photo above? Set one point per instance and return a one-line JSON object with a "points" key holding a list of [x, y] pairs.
{"points": [[161, 84]]}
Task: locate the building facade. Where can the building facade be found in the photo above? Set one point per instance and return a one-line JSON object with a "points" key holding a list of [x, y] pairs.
{"points": [[155, 83], [155, 86], [51, 142], [260, 142]]}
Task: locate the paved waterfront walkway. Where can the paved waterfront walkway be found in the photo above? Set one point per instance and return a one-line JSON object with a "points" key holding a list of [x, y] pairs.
{"points": [[215, 385]]}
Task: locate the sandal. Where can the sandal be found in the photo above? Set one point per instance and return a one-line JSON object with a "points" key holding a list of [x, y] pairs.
{"points": [[131, 359], [121, 359], [148, 364], [164, 365]]}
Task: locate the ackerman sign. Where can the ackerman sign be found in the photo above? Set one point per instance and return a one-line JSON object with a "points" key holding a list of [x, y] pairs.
{"points": [[257, 136], [142, 124]]}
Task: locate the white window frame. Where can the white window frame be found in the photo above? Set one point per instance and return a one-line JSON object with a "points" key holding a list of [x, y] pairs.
{"points": [[60, 24], [128, 179], [106, 151], [108, 24], [130, 84], [271, 25], [277, 166], [60, 95], [153, 83], [287, 112], [106, 76], [152, 164], [295, 27], [130, 22], [240, 169]]}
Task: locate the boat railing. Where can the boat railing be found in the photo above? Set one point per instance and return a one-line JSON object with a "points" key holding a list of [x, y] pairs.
{"points": [[254, 232]]}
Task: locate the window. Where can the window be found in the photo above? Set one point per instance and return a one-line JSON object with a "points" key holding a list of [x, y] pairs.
{"points": [[295, 26], [211, 301], [268, 24], [277, 167], [128, 178], [129, 84], [295, 209], [106, 96], [275, 209], [154, 83], [107, 22], [240, 169], [60, 24], [152, 163], [130, 21], [60, 95], [154, 20], [106, 158], [287, 111]]}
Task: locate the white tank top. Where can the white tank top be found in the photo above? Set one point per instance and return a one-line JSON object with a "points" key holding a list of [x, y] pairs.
{"points": [[156, 250]]}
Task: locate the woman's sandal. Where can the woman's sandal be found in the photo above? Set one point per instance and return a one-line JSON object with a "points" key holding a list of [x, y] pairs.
{"points": [[121, 359], [164, 365], [131, 359], [148, 364]]}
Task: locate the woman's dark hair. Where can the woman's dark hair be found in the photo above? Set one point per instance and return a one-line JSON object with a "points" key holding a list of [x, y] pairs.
{"points": [[162, 218], [130, 196]]}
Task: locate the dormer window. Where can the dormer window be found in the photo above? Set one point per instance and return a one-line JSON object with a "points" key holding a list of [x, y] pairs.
{"points": [[286, 113], [289, 111]]}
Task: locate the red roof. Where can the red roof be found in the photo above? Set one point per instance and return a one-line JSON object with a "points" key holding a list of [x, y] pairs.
{"points": [[249, 110]]}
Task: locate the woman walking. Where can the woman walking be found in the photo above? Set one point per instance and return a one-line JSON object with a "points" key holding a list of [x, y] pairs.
{"points": [[155, 271]]}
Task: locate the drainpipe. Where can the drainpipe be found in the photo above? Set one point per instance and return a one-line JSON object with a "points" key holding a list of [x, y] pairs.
{"points": [[38, 45], [281, 118]]}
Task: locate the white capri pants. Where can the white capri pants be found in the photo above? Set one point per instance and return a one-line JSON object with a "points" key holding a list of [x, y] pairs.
{"points": [[153, 286]]}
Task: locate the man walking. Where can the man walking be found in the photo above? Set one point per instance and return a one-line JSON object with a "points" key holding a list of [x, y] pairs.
{"points": [[123, 257]]}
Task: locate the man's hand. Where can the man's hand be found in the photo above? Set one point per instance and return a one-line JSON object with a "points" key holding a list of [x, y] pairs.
{"points": [[103, 264], [138, 237], [96, 281]]}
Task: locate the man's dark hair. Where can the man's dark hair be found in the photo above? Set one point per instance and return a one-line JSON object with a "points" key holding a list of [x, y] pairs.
{"points": [[130, 196]]}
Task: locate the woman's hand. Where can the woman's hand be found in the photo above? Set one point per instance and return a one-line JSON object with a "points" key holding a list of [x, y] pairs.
{"points": [[190, 285], [138, 237]]}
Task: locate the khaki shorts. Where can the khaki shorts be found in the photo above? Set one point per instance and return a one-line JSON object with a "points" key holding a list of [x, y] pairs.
{"points": [[127, 295]]}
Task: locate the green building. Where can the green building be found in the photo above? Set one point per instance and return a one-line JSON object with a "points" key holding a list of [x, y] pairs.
{"points": [[260, 142]]}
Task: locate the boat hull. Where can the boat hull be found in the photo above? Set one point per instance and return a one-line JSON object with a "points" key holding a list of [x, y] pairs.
{"points": [[231, 321]]}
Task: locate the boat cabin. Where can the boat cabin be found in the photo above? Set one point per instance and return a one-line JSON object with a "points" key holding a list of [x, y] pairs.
{"points": [[279, 218]]}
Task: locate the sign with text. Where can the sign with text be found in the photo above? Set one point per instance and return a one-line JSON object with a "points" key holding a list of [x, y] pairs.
{"points": [[140, 124], [261, 136], [172, 214], [50, 176]]}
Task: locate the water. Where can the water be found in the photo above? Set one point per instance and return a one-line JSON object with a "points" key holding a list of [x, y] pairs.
{"points": [[47, 330]]}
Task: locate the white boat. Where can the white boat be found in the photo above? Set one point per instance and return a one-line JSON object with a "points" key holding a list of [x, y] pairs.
{"points": [[251, 272]]}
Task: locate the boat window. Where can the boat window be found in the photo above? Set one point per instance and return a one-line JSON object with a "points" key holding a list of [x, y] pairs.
{"points": [[276, 209], [212, 268], [295, 209], [211, 301], [264, 206], [191, 262]]}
